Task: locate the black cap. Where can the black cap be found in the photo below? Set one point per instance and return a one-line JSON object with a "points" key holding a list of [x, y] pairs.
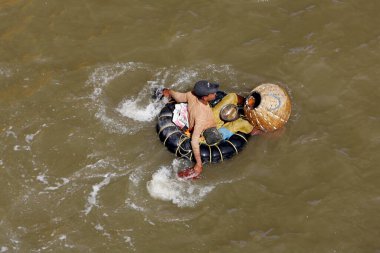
{"points": [[203, 88]]}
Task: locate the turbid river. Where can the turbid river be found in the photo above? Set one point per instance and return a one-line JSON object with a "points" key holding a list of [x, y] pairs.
{"points": [[82, 168]]}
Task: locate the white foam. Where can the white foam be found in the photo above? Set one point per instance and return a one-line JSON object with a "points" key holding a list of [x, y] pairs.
{"points": [[21, 148], [101, 163], [92, 198], [185, 76], [183, 193], [132, 109], [135, 177], [99, 79], [42, 178], [57, 185], [29, 137], [142, 107], [149, 221], [99, 227], [129, 240], [133, 206], [6, 72], [10, 133], [105, 74], [101, 168]]}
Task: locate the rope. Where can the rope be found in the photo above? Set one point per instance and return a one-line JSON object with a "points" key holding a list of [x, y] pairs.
{"points": [[209, 148], [182, 139], [233, 146], [220, 152], [242, 137], [162, 129], [170, 135], [163, 116]]}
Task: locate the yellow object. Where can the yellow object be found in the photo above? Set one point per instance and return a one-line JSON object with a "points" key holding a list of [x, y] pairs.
{"points": [[235, 126], [239, 125], [268, 107], [228, 99]]}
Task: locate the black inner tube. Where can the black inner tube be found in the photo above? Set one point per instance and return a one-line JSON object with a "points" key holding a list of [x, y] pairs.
{"points": [[179, 144]]}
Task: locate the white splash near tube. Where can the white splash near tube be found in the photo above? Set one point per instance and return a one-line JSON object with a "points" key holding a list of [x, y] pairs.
{"points": [[132, 109], [166, 186], [142, 108]]}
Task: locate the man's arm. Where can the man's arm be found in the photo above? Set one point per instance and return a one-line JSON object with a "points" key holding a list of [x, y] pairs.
{"points": [[178, 96], [196, 150]]}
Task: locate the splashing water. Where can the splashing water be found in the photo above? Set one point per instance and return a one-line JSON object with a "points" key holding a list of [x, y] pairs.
{"points": [[136, 109], [92, 198], [142, 108], [99, 79], [130, 109], [166, 186]]}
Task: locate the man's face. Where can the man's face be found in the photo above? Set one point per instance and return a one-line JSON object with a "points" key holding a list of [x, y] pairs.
{"points": [[210, 97]]}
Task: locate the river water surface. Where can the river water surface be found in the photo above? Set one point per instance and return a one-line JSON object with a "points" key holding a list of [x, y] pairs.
{"points": [[81, 166]]}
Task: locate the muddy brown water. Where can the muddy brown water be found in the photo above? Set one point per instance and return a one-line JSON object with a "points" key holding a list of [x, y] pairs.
{"points": [[81, 167]]}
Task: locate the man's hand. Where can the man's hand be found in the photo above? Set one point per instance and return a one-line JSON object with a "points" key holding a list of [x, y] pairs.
{"points": [[198, 168], [166, 92], [191, 173]]}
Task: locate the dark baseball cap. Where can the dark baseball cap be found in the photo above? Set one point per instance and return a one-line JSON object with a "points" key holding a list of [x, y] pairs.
{"points": [[203, 88]]}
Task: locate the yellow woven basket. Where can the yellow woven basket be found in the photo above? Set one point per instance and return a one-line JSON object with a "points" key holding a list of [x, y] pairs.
{"points": [[271, 107]]}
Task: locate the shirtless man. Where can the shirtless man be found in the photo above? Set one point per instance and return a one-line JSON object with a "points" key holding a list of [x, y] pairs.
{"points": [[200, 117]]}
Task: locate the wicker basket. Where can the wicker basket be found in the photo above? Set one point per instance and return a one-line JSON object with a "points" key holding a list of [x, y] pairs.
{"points": [[268, 107]]}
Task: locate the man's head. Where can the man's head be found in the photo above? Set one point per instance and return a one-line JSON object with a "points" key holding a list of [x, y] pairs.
{"points": [[205, 90]]}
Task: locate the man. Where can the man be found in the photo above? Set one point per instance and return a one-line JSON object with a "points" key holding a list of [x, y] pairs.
{"points": [[200, 118]]}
